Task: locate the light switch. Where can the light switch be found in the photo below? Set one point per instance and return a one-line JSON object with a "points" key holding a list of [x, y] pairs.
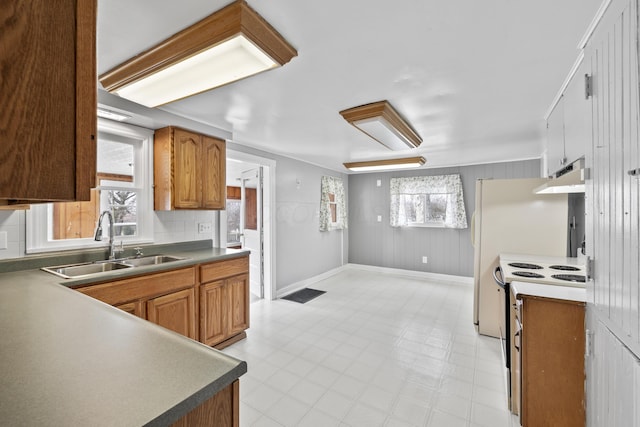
{"points": [[3, 240], [379, 183], [379, 218]]}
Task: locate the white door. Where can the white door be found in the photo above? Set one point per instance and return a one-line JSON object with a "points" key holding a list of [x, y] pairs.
{"points": [[251, 227]]}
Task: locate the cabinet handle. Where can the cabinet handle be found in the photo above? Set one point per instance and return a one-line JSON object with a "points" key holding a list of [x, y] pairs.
{"points": [[516, 335], [634, 172]]}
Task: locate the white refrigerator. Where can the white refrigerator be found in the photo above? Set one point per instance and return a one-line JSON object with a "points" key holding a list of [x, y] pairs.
{"points": [[510, 218]]}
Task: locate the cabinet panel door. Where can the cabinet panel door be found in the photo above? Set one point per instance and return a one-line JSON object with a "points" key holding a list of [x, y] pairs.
{"points": [[176, 311], [48, 100], [213, 173], [136, 308], [577, 113], [213, 313], [188, 184], [555, 138], [238, 289], [614, 58]]}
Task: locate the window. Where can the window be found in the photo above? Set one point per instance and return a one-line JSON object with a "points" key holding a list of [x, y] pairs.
{"points": [[333, 211], [428, 201], [123, 187]]}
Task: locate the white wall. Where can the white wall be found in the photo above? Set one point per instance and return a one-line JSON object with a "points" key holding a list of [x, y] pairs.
{"points": [[169, 227]]}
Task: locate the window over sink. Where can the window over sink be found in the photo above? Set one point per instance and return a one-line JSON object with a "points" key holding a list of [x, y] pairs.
{"points": [[124, 177]]}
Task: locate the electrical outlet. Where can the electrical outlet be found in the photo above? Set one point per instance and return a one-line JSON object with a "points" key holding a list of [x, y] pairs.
{"points": [[204, 227], [379, 218], [424, 259]]}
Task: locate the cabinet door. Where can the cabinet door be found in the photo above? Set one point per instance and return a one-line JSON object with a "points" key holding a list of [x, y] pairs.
{"points": [[555, 138], [238, 299], [136, 308], [577, 116], [213, 173], [187, 158], [175, 311], [213, 313], [553, 345], [613, 56], [48, 100]]}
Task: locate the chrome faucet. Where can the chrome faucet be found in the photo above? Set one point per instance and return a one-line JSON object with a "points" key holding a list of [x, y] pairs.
{"points": [[98, 236]]}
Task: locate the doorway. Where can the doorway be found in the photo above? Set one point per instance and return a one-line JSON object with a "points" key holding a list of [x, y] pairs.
{"points": [[247, 223]]}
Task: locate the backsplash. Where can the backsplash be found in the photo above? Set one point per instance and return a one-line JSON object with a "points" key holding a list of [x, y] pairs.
{"points": [[169, 227]]}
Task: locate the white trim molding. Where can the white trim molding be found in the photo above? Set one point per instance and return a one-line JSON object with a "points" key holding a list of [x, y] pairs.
{"points": [[444, 278]]}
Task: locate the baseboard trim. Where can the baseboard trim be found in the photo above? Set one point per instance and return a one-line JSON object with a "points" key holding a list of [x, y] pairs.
{"points": [[306, 282], [447, 278]]}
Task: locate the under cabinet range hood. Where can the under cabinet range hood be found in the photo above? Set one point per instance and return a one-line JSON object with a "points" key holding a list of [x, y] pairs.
{"points": [[567, 180]]}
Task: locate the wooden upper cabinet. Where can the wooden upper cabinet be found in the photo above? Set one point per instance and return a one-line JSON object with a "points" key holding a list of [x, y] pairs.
{"points": [[48, 122], [214, 173], [189, 170]]}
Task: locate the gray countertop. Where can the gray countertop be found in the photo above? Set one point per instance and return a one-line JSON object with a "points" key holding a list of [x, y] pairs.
{"points": [[70, 360], [28, 270]]}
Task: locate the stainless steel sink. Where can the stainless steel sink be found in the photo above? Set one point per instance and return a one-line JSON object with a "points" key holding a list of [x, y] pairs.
{"points": [[150, 260], [73, 271]]}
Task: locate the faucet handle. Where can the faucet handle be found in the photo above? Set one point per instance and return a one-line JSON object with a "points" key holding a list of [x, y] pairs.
{"points": [[138, 251]]}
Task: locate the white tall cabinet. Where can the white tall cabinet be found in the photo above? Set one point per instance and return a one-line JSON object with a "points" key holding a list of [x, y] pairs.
{"points": [[613, 213]]}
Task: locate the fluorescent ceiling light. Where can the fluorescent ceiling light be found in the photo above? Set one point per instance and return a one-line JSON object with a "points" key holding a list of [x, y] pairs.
{"points": [[389, 164], [381, 121], [231, 44]]}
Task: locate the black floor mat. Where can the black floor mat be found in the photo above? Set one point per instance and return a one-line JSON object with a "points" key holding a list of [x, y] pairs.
{"points": [[304, 295]]}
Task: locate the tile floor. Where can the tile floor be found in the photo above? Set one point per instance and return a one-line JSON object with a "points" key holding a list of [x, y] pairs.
{"points": [[375, 350]]}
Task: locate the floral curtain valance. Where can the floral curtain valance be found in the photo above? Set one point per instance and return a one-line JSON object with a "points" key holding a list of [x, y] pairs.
{"points": [[332, 195], [448, 185]]}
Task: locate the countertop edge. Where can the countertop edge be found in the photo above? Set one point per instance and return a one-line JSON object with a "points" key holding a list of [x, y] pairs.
{"points": [[565, 293], [181, 409]]}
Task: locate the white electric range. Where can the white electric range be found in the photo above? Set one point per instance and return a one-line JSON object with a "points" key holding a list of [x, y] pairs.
{"points": [[560, 271]]}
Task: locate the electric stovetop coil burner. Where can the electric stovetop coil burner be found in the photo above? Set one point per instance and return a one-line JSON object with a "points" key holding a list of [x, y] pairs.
{"points": [[528, 274], [569, 277], [525, 265], [564, 267]]}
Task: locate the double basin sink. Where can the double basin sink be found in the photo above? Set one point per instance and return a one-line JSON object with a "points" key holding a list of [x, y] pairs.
{"points": [[74, 271]]}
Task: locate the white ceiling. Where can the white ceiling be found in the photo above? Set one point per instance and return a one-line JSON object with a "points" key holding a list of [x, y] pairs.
{"points": [[474, 78]]}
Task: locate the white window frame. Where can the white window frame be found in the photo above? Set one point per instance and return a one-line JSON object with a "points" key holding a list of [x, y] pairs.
{"points": [[430, 224], [38, 218], [450, 185]]}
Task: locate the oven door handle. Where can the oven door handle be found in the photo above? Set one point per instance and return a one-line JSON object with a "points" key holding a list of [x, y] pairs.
{"points": [[499, 281]]}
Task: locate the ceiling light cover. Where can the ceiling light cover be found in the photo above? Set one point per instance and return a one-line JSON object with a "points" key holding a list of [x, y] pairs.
{"points": [[231, 44], [388, 164], [382, 122]]}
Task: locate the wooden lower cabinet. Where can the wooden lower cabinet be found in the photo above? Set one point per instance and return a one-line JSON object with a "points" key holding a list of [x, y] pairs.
{"points": [[175, 311], [213, 310], [552, 364], [136, 308], [213, 313], [222, 410], [224, 301], [167, 299]]}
